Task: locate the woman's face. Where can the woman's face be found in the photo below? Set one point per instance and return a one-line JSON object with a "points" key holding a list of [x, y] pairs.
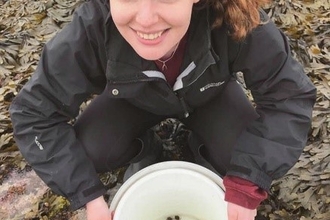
{"points": [[152, 27]]}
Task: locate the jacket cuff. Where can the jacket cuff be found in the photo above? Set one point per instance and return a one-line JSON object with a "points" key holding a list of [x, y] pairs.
{"points": [[253, 175], [243, 192], [79, 200]]}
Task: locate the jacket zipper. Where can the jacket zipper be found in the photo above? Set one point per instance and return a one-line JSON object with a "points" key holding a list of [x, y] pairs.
{"points": [[184, 106]]}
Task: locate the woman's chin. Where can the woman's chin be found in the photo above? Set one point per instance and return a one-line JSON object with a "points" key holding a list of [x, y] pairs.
{"points": [[150, 56]]}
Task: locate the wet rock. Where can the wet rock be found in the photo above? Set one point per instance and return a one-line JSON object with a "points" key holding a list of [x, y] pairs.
{"points": [[79, 215], [19, 192]]}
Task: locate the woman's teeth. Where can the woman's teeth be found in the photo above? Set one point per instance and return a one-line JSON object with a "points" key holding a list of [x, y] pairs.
{"points": [[149, 36]]}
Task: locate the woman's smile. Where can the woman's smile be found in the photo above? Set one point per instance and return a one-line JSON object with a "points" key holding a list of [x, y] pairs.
{"points": [[149, 36]]}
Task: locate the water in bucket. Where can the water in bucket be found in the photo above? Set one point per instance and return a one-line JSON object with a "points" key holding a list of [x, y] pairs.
{"points": [[179, 217]]}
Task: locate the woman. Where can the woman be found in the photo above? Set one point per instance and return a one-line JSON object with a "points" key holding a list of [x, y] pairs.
{"points": [[153, 59]]}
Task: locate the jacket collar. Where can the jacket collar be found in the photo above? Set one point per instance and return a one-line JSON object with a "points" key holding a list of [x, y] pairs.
{"points": [[124, 64]]}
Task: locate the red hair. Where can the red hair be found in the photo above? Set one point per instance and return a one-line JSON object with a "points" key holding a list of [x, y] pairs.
{"points": [[240, 15]]}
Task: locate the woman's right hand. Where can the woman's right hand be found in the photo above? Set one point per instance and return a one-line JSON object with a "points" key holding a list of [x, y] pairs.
{"points": [[97, 209]]}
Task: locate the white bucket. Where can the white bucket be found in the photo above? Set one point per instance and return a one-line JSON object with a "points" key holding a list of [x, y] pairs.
{"points": [[170, 190]]}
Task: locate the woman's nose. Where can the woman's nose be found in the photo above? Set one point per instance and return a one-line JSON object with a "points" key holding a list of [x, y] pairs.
{"points": [[147, 13]]}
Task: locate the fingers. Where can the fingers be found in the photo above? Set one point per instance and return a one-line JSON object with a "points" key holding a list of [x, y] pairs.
{"points": [[236, 212]]}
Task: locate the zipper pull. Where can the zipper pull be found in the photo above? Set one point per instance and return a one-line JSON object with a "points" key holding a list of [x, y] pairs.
{"points": [[185, 107]]}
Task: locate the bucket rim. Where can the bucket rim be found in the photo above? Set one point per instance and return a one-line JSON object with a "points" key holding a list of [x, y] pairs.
{"points": [[163, 166]]}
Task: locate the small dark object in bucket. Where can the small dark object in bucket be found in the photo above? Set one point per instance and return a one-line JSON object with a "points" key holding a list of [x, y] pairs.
{"points": [[169, 218]]}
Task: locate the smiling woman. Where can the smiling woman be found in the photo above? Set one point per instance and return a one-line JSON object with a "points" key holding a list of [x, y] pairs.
{"points": [[112, 49], [152, 28]]}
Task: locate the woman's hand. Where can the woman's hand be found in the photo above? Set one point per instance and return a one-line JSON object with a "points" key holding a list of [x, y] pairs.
{"points": [[236, 212], [97, 209]]}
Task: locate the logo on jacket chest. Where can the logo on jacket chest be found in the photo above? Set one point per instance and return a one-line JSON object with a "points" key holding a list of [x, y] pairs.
{"points": [[211, 85]]}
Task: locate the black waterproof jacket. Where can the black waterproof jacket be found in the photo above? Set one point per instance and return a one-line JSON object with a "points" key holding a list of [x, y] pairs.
{"points": [[89, 55]]}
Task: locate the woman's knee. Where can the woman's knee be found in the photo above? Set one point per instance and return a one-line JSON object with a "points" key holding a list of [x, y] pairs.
{"points": [[107, 157]]}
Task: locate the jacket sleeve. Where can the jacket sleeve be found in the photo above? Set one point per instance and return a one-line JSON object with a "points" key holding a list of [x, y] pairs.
{"points": [[71, 68], [284, 98]]}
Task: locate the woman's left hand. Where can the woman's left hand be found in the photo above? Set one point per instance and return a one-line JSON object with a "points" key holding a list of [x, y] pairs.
{"points": [[236, 212]]}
